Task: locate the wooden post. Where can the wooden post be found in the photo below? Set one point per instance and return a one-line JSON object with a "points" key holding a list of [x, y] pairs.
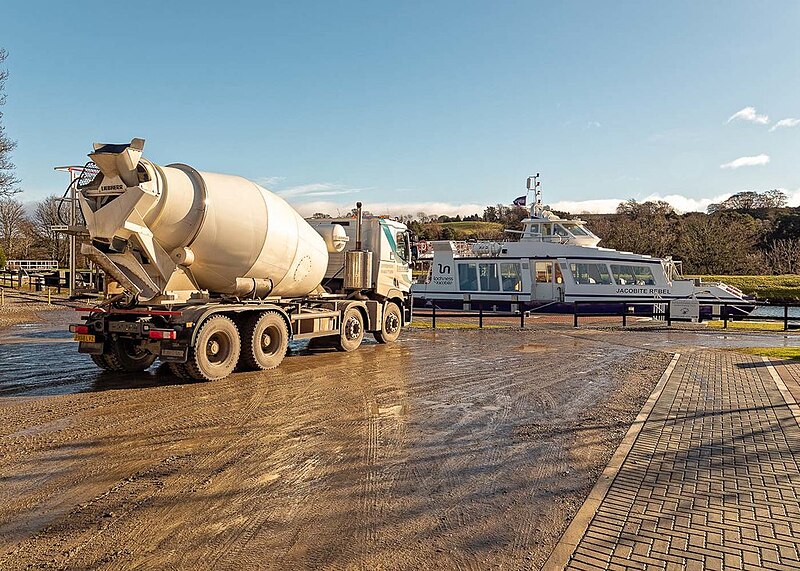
{"points": [[724, 316], [575, 314], [49, 293], [480, 317], [433, 317], [786, 317]]}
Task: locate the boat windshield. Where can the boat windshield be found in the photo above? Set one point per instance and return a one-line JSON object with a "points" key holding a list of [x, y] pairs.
{"points": [[576, 229], [559, 230]]}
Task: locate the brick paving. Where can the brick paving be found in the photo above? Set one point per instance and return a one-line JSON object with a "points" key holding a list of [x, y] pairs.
{"points": [[712, 480]]}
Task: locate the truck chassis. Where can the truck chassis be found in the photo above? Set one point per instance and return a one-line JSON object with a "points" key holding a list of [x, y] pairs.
{"points": [[209, 340]]}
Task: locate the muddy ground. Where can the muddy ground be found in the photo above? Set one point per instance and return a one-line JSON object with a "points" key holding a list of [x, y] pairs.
{"points": [[461, 449]]}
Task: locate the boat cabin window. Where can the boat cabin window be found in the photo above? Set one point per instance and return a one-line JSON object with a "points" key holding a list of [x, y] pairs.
{"points": [[576, 229], [585, 274], [559, 276], [468, 277], [559, 230], [544, 272], [510, 276], [490, 281], [547, 229], [633, 275]]}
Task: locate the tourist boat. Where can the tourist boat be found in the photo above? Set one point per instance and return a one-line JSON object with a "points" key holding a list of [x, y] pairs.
{"points": [[554, 263]]}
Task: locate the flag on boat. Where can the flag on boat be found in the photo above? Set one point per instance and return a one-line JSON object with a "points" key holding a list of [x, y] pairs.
{"points": [[520, 201]]}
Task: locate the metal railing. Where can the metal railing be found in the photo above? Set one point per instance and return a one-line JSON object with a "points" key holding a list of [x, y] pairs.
{"points": [[32, 265], [659, 309]]}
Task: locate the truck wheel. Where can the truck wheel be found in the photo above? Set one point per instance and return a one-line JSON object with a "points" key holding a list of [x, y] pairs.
{"points": [[216, 350], [102, 362], [124, 355], [265, 340], [352, 333], [181, 371], [392, 323]]}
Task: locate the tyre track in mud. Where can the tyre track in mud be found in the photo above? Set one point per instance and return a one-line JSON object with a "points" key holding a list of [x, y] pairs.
{"points": [[395, 456]]}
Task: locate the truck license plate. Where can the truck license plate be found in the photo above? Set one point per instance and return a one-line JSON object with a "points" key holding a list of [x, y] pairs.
{"points": [[83, 338]]}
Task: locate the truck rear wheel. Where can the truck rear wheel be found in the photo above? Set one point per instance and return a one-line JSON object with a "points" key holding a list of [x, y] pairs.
{"points": [[352, 333], [216, 349], [102, 362], [391, 325], [124, 355], [265, 340]]}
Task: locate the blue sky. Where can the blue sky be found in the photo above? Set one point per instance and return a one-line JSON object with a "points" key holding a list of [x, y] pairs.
{"points": [[435, 106]]}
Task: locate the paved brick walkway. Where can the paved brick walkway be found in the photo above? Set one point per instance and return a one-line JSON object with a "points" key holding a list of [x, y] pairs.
{"points": [[711, 481]]}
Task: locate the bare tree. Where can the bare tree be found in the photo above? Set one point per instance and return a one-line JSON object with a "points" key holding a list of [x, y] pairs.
{"points": [[8, 181], [750, 200], [45, 217], [783, 256], [12, 225]]}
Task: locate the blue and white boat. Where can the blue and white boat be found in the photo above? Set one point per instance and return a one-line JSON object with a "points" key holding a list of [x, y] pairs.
{"points": [[554, 263]]}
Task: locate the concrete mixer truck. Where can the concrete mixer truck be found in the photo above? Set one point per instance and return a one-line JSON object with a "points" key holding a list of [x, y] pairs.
{"points": [[217, 273]]}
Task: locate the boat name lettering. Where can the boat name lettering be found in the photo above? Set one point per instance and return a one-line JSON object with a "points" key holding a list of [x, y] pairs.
{"points": [[650, 290], [443, 280]]}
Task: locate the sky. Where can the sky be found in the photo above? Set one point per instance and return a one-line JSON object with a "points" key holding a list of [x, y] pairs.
{"points": [[434, 106]]}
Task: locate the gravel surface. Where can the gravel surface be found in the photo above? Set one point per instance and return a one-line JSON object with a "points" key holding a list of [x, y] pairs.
{"points": [[449, 449]]}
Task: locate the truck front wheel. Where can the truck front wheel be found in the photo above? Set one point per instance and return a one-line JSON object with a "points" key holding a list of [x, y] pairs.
{"points": [[352, 333], [391, 325], [265, 340], [216, 350]]}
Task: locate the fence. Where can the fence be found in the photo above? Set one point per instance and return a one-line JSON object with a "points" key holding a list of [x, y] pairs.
{"points": [[32, 282], [32, 265], [659, 309]]}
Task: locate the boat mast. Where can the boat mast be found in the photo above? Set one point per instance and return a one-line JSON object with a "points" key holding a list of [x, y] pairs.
{"points": [[534, 185]]}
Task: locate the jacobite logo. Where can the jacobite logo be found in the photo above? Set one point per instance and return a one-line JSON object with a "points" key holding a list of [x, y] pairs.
{"points": [[112, 187]]}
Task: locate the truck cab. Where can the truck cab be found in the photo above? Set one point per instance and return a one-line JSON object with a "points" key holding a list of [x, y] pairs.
{"points": [[390, 244]]}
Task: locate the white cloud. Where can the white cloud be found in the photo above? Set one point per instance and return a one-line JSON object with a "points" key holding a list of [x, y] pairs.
{"points": [[790, 122], [680, 202], [749, 114], [389, 208], [316, 189], [757, 160], [593, 125], [600, 206], [269, 181]]}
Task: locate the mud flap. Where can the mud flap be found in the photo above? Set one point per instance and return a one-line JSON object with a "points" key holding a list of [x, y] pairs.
{"points": [[173, 352]]}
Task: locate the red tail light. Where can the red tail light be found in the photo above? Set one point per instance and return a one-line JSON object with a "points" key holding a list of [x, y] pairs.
{"points": [[79, 329], [162, 334]]}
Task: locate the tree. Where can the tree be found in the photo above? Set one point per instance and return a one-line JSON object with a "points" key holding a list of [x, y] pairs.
{"points": [[12, 219], [45, 217], [633, 209], [8, 182], [717, 244], [783, 256], [320, 215], [751, 200]]}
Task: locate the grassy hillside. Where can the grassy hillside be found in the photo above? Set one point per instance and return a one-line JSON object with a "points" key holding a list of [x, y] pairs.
{"points": [[467, 230], [786, 287]]}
